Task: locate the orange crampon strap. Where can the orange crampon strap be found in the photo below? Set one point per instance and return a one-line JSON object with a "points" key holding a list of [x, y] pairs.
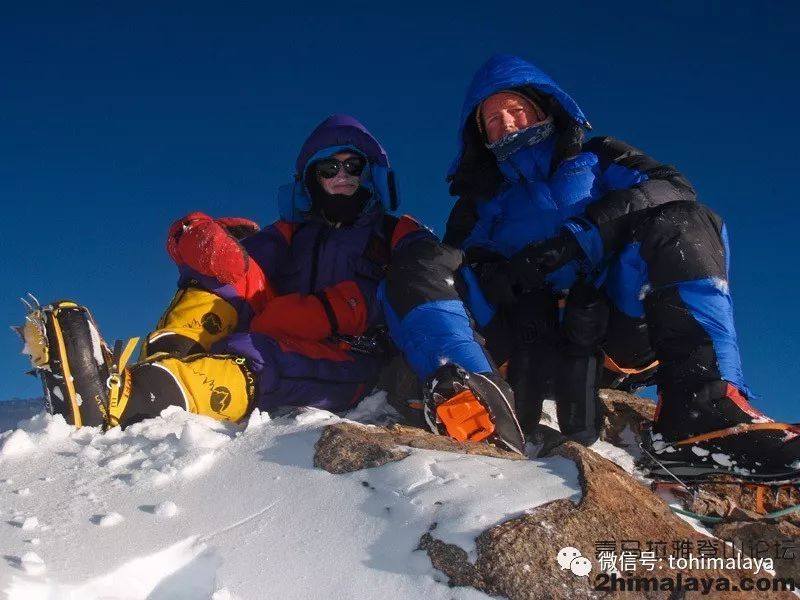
{"points": [[465, 418], [609, 364], [737, 429], [761, 493], [759, 499]]}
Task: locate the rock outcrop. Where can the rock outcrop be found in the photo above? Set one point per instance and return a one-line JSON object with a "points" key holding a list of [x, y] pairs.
{"points": [[780, 540], [347, 447], [517, 559], [624, 416]]}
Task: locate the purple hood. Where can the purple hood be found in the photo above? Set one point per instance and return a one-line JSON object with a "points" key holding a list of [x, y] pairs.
{"points": [[335, 133], [341, 130]]}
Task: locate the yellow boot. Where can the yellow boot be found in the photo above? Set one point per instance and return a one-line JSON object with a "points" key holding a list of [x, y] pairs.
{"points": [[194, 320], [88, 384], [70, 358], [220, 386]]}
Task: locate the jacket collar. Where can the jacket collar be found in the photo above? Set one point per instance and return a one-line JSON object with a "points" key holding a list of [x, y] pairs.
{"points": [[530, 163]]}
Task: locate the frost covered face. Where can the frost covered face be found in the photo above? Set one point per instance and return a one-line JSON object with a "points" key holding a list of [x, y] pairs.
{"points": [[340, 173], [506, 112]]}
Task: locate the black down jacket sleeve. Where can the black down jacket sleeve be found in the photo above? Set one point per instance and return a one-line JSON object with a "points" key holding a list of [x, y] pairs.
{"points": [[631, 182]]}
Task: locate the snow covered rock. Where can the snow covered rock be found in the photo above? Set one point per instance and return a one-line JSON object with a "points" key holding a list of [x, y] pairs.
{"points": [[514, 557], [346, 447], [517, 558]]}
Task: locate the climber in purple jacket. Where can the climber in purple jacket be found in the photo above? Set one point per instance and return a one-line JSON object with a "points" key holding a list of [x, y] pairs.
{"points": [[304, 312]]}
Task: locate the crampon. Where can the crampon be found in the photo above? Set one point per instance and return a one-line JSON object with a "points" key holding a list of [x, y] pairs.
{"points": [[80, 375], [713, 492]]}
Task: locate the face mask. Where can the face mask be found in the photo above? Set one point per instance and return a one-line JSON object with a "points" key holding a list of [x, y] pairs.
{"points": [[508, 145], [341, 208]]}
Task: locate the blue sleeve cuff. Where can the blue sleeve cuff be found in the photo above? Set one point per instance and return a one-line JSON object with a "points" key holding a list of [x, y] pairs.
{"points": [[480, 308], [588, 237], [564, 277]]}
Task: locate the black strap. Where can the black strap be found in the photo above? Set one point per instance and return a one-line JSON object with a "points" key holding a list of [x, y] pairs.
{"points": [[378, 249], [388, 225], [394, 201], [326, 304]]}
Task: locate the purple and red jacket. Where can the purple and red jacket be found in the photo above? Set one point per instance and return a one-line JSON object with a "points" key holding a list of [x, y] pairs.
{"points": [[329, 280]]}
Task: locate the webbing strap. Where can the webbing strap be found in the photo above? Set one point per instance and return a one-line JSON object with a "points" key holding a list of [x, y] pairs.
{"points": [[612, 366], [329, 312], [114, 381], [742, 428]]}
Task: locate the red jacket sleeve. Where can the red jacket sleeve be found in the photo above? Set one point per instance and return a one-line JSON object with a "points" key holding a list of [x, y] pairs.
{"points": [[338, 309]]}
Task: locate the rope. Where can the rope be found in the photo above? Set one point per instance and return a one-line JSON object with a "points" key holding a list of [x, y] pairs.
{"points": [[711, 519]]}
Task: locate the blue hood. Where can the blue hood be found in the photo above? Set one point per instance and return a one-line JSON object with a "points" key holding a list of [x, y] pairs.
{"points": [[502, 72], [335, 134]]}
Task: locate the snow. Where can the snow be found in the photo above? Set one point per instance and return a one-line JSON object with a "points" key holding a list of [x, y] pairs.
{"points": [[18, 443], [374, 409], [165, 509], [721, 284], [186, 507], [722, 459], [109, 520], [97, 344], [32, 563], [624, 457]]}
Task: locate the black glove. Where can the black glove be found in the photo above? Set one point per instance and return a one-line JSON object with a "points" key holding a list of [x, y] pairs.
{"points": [[535, 261], [494, 276], [499, 282], [504, 281]]}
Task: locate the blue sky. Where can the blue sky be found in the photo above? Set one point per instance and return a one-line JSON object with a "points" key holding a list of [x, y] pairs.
{"points": [[115, 120]]}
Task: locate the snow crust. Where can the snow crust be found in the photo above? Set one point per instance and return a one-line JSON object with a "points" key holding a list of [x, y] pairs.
{"points": [[184, 507]]}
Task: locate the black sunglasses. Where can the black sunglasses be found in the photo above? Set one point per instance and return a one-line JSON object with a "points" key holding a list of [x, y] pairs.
{"points": [[328, 168]]}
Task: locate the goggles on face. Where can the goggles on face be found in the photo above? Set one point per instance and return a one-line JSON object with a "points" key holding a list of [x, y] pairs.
{"points": [[328, 168]]}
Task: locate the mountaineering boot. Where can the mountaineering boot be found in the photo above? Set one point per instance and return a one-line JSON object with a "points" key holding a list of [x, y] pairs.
{"points": [[716, 427], [472, 407], [194, 320], [89, 385], [220, 386], [71, 359]]}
